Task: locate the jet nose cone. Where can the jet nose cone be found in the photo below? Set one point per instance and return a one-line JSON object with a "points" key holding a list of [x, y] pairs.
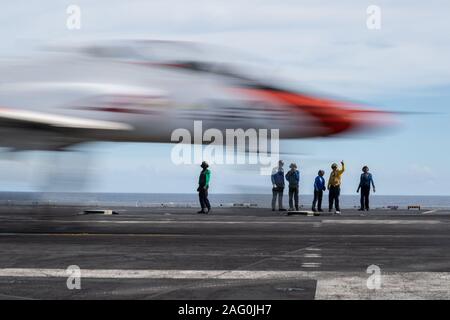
{"points": [[327, 116]]}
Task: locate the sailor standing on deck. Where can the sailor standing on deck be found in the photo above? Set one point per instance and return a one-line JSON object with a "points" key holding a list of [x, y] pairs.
{"points": [[319, 188], [278, 186], [334, 186], [293, 177], [203, 185], [364, 184]]}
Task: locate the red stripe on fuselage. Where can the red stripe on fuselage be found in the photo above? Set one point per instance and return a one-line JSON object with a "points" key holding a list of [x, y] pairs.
{"points": [[330, 114]]}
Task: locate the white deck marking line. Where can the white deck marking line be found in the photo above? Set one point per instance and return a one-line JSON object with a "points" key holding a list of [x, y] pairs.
{"points": [[399, 285], [158, 274], [109, 273], [348, 221], [312, 255], [311, 264], [151, 274], [175, 222], [200, 274], [330, 285], [431, 211]]}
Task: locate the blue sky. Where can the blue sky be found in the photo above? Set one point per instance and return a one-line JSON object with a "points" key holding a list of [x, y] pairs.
{"points": [[320, 45]]}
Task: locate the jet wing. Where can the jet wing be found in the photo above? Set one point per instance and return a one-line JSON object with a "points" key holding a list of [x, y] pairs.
{"points": [[39, 119], [30, 130]]}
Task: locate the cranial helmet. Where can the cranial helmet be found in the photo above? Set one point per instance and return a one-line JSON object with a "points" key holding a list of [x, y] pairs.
{"points": [[204, 164]]}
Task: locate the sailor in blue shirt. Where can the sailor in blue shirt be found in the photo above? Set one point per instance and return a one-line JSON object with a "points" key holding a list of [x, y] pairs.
{"points": [[319, 188], [293, 177], [365, 182], [278, 186]]}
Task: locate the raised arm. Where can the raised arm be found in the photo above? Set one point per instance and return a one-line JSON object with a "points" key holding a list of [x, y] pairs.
{"points": [[343, 168]]}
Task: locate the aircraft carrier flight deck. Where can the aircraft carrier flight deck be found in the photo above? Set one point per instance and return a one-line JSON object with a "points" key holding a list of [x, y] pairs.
{"points": [[232, 253]]}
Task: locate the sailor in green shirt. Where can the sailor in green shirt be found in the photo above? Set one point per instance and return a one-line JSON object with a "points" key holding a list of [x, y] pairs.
{"points": [[203, 185]]}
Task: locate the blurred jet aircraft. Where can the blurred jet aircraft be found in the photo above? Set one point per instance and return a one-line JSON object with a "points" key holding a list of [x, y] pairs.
{"points": [[140, 91]]}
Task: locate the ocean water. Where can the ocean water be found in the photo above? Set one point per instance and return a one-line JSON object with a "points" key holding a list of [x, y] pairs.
{"points": [[191, 200]]}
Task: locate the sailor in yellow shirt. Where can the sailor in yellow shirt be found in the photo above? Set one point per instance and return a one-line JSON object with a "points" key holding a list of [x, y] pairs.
{"points": [[334, 186]]}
